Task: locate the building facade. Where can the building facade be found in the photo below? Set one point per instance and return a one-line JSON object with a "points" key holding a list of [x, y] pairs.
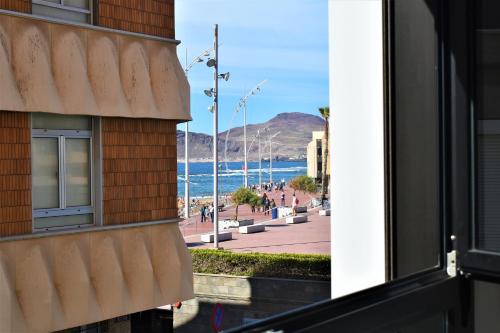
{"points": [[315, 150], [91, 92]]}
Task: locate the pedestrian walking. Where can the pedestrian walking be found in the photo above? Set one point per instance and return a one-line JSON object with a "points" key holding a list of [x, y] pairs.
{"points": [[282, 196], [202, 213], [211, 211], [263, 201], [295, 202], [267, 203]]}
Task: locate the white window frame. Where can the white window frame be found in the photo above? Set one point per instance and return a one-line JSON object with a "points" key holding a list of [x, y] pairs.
{"points": [[94, 162], [61, 5]]}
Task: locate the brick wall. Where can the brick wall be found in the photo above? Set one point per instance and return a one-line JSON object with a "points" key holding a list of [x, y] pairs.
{"points": [[151, 17], [23, 6], [139, 170], [15, 173]]}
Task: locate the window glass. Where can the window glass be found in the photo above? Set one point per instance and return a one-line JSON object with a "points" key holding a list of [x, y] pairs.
{"points": [[62, 159], [77, 172], [70, 10], [59, 221], [45, 173], [416, 154], [61, 122], [77, 3], [487, 70]]}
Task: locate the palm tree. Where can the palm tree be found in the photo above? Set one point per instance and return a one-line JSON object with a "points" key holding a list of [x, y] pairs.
{"points": [[325, 113]]}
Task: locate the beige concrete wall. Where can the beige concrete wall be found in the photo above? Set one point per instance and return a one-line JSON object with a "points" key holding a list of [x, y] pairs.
{"points": [[54, 282]]}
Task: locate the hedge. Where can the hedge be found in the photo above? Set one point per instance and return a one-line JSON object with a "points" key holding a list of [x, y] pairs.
{"points": [[291, 266]]}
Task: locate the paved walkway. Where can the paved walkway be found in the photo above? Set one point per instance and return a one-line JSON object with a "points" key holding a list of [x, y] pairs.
{"points": [[312, 237]]}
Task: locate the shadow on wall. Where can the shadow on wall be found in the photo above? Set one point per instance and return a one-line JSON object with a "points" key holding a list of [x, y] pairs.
{"points": [[244, 299]]}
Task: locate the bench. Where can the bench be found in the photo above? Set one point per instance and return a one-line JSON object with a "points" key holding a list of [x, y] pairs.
{"points": [[220, 208], [301, 209], [296, 219], [250, 229], [223, 236], [324, 212]]}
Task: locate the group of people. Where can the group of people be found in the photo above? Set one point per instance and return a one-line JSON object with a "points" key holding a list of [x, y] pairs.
{"points": [[207, 212], [266, 203], [269, 187]]}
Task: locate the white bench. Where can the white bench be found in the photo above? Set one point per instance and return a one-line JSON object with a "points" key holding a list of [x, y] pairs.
{"points": [[296, 219], [250, 229], [223, 236], [324, 212], [301, 209]]}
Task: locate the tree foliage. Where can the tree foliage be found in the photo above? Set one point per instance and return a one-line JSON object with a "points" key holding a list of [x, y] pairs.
{"points": [[303, 183], [244, 196]]}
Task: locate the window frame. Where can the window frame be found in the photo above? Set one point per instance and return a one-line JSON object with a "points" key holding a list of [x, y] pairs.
{"points": [[93, 136], [472, 261], [61, 6]]}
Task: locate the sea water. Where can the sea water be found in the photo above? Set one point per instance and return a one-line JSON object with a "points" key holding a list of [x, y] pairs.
{"points": [[231, 175]]}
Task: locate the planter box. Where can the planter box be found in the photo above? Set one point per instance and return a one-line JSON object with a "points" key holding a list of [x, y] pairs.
{"points": [[301, 209], [226, 224], [296, 219], [250, 229], [223, 236], [324, 212], [284, 212]]}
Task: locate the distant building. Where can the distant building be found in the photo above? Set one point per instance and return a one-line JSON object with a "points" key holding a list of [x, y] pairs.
{"points": [[315, 150], [91, 93]]}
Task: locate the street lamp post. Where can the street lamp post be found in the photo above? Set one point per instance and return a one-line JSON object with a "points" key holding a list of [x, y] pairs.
{"points": [[243, 104], [216, 131], [271, 156], [260, 162], [195, 60], [214, 92]]}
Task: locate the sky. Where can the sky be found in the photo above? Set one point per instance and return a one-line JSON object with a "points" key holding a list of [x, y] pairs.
{"points": [[282, 41]]}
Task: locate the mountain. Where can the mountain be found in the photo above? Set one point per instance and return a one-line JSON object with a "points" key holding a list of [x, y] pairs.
{"points": [[294, 128]]}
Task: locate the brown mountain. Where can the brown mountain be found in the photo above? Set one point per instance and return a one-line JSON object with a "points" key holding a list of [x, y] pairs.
{"points": [[295, 132]]}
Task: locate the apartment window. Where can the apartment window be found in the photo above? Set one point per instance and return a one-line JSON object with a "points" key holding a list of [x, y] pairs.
{"points": [[62, 171], [69, 10]]}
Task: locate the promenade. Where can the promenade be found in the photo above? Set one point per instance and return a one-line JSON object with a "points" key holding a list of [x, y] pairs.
{"points": [[312, 237]]}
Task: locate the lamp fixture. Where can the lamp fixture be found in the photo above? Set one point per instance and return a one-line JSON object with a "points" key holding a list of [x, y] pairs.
{"points": [[211, 62], [209, 92], [224, 76]]}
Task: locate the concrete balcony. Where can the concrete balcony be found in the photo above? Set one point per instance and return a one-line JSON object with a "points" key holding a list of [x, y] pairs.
{"points": [[69, 68], [54, 281]]}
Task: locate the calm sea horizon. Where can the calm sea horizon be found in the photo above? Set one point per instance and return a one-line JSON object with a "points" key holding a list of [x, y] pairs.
{"points": [[231, 175]]}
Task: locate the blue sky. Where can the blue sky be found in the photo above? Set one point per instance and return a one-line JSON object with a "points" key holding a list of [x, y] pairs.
{"points": [[283, 41]]}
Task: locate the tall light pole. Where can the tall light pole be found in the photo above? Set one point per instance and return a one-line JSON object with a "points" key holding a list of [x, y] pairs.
{"points": [[214, 92], [271, 156], [195, 60], [216, 131], [243, 104], [259, 134]]}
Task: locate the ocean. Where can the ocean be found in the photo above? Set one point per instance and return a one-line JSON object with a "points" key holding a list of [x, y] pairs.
{"points": [[232, 177]]}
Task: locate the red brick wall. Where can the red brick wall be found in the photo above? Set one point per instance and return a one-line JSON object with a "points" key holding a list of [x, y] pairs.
{"points": [[23, 6], [151, 17], [139, 170], [15, 173]]}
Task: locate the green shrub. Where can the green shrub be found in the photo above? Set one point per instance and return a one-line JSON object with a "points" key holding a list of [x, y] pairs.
{"points": [[291, 266], [303, 183]]}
